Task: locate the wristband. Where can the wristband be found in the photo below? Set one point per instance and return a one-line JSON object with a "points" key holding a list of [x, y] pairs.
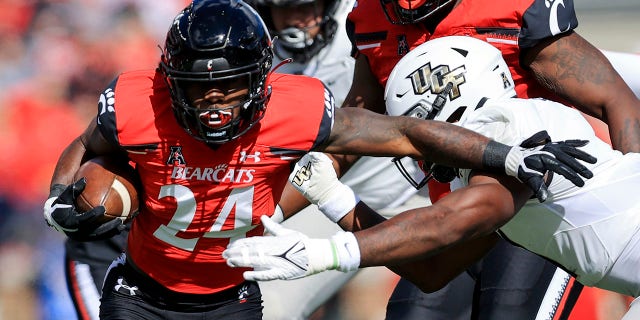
{"points": [[343, 200], [56, 190], [494, 157], [346, 246]]}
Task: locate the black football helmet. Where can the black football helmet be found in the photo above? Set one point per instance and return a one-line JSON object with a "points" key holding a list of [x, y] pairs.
{"points": [[412, 11], [295, 42], [213, 41]]}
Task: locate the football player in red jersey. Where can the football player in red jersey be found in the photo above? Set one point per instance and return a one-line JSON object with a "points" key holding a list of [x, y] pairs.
{"points": [[547, 58], [213, 134]]}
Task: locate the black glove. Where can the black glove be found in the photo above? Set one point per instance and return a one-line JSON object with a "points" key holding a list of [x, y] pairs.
{"points": [[537, 155], [60, 213]]}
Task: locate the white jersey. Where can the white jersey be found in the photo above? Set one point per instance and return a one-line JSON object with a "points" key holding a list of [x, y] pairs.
{"points": [[375, 180], [591, 231]]}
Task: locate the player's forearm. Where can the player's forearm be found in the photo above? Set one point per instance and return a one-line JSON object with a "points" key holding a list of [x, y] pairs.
{"points": [[360, 218], [624, 129], [430, 246], [291, 201], [401, 239], [575, 70], [455, 146], [433, 273], [465, 214], [358, 131], [68, 163]]}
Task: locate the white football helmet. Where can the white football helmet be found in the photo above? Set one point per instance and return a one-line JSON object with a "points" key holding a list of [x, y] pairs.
{"points": [[446, 79]]}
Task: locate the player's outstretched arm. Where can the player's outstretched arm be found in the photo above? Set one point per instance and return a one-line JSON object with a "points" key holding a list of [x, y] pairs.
{"points": [[358, 131], [419, 244]]}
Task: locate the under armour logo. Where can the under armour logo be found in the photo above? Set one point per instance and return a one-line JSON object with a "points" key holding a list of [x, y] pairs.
{"points": [[244, 156], [124, 288]]}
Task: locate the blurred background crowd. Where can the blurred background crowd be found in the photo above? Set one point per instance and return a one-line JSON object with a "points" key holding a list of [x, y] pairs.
{"points": [[55, 58]]}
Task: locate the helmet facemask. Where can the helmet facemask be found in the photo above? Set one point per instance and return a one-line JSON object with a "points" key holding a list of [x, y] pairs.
{"points": [[213, 44], [213, 122], [295, 42], [412, 11]]}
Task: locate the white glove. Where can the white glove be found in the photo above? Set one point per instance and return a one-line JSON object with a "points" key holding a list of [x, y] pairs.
{"points": [[315, 177], [290, 254]]}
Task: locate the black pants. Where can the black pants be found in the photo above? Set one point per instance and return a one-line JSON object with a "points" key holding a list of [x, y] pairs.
{"points": [[86, 264], [508, 283], [130, 295]]}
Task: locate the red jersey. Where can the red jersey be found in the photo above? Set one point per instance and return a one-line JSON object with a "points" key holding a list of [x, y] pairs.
{"points": [[196, 198], [509, 25]]}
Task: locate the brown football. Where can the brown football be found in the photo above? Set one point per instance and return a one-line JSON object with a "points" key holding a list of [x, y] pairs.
{"points": [[110, 184]]}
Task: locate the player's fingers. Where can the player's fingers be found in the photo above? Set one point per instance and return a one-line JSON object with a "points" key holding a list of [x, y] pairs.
{"points": [[108, 230], [542, 193], [573, 166], [564, 169], [252, 276], [573, 151], [238, 256], [536, 183], [79, 186], [272, 227], [576, 142], [264, 275], [91, 215], [67, 196]]}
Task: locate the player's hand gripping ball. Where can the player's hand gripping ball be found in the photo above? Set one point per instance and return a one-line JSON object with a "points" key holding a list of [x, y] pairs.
{"points": [[110, 184]]}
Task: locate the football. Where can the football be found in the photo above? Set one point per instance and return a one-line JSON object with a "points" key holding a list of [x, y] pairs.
{"points": [[110, 184]]}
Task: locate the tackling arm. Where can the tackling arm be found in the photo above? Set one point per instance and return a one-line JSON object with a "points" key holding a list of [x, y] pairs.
{"points": [[417, 244], [357, 131], [467, 213], [432, 245]]}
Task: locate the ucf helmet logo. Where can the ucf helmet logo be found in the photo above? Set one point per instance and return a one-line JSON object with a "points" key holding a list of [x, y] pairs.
{"points": [[436, 79]]}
